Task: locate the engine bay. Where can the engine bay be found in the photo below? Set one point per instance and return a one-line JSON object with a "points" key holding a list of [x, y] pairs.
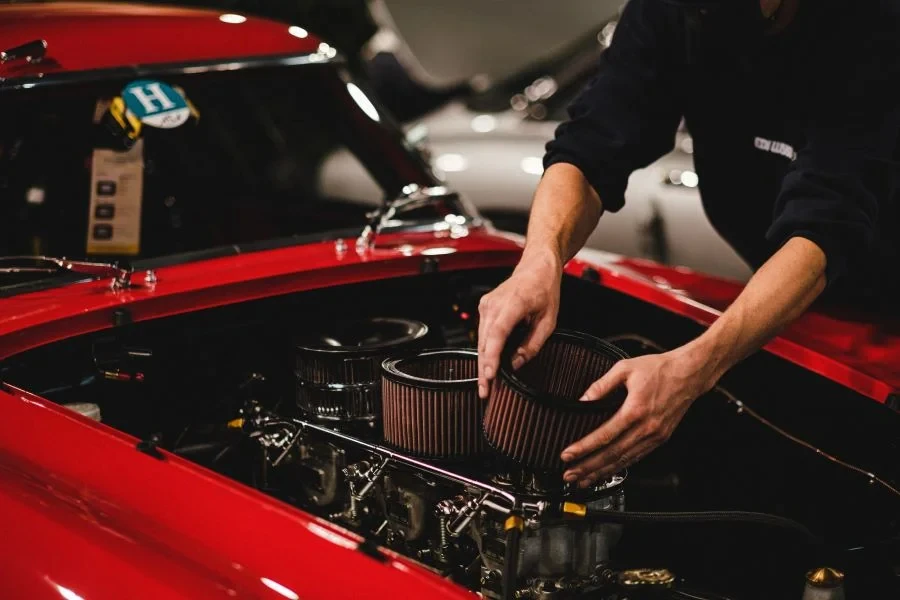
{"points": [[365, 413]]}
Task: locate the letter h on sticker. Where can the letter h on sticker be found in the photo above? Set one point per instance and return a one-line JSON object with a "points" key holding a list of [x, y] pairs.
{"points": [[149, 94]]}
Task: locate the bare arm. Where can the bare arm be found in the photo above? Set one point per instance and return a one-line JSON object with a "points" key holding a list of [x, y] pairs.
{"points": [[565, 211], [779, 292], [661, 387]]}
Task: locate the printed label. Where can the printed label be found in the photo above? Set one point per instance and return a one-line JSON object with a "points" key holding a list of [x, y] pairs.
{"points": [[775, 147], [117, 184]]}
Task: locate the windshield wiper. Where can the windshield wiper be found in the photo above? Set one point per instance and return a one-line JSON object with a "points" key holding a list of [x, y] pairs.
{"points": [[48, 265], [452, 214]]}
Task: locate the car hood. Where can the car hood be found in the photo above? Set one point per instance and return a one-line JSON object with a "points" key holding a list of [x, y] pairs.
{"points": [[859, 351], [448, 43]]}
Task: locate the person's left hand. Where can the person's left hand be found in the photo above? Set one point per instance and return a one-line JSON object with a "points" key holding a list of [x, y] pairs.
{"points": [[661, 387]]}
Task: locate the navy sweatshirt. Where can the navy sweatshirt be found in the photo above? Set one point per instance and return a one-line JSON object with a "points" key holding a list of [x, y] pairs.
{"points": [[795, 134]]}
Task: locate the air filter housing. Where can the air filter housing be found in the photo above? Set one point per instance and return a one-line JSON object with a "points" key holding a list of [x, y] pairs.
{"points": [[534, 413], [339, 371], [431, 407]]}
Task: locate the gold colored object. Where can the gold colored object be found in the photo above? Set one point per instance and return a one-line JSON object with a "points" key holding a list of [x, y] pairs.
{"points": [[514, 522], [824, 577], [572, 508], [663, 578], [129, 123], [235, 424]]}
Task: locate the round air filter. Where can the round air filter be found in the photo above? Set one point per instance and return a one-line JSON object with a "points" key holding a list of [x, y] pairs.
{"points": [[339, 372], [431, 407], [534, 413]]}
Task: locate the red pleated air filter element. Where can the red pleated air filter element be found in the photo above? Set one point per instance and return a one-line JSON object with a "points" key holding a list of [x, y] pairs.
{"points": [[339, 370], [430, 404], [534, 413]]}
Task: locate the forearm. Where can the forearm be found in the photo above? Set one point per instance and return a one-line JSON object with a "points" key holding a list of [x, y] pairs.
{"points": [[780, 291], [564, 213]]}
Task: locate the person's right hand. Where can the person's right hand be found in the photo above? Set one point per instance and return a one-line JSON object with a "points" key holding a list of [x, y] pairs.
{"points": [[531, 294]]}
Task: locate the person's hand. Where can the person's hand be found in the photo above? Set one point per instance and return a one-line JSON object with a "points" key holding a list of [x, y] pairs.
{"points": [[661, 388], [531, 294]]}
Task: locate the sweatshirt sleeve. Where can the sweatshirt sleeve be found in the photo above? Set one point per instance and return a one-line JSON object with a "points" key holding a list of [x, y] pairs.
{"points": [[628, 114], [842, 177]]}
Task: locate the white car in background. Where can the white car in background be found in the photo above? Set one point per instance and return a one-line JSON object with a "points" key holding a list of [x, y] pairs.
{"points": [[489, 145]]}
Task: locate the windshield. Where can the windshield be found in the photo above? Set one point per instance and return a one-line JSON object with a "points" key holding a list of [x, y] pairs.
{"points": [[238, 157]]}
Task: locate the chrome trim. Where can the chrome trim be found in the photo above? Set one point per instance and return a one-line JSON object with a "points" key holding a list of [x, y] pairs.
{"points": [[181, 68], [388, 455], [31, 52], [384, 220], [121, 276]]}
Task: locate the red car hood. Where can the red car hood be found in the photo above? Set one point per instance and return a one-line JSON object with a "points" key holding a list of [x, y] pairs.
{"points": [[855, 351], [166, 528]]}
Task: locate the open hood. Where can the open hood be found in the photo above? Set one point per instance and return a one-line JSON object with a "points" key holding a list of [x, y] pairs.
{"points": [[444, 44]]}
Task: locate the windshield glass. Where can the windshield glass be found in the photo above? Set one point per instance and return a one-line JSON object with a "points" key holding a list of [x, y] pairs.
{"points": [[219, 157]]}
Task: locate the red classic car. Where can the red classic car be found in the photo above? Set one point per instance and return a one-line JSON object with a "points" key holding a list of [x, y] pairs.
{"points": [[219, 381]]}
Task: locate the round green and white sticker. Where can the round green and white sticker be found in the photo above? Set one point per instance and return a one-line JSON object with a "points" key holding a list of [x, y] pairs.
{"points": [[156, 104]]}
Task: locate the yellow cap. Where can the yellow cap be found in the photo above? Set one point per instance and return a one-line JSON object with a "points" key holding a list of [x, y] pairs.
{"points": [[647, 577], [573, 508], [824, 577], [514, 522]]}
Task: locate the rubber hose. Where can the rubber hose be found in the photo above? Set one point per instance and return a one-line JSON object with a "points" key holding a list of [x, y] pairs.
{"points": [[718, 516], [198, 448], [511, 563]]}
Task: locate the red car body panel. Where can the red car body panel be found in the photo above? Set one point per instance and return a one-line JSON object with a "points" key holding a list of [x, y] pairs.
{"points": [[860, 354], [92, 36], [87, 512], [854, 349]]}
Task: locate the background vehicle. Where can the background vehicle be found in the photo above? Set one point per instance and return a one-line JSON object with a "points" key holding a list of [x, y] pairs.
{"points": [[164, 433], [525, 67]]}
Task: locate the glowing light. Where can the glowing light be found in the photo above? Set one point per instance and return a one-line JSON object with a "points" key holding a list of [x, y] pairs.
{"points": [[437, 190], [27, 86], [455, 219], [67, 593], [298, 32], [484, 123], [464, 316], [451, 163], [438, 251], [327, 50], [274, 585], [34, 195], [533, 165], [363, 102], [689, 179], [232, 18], [519, 102]]}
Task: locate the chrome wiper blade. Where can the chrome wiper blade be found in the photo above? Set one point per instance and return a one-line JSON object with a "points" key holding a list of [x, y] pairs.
{"points": [[49, 265]]}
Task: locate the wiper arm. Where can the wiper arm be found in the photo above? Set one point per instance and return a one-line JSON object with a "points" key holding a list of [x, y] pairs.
{"points": [[49, 265], [449, 204]]}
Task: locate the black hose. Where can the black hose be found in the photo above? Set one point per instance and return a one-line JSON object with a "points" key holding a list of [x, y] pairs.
{"points": [[198, 448], [717, 516], [511, 562]]}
